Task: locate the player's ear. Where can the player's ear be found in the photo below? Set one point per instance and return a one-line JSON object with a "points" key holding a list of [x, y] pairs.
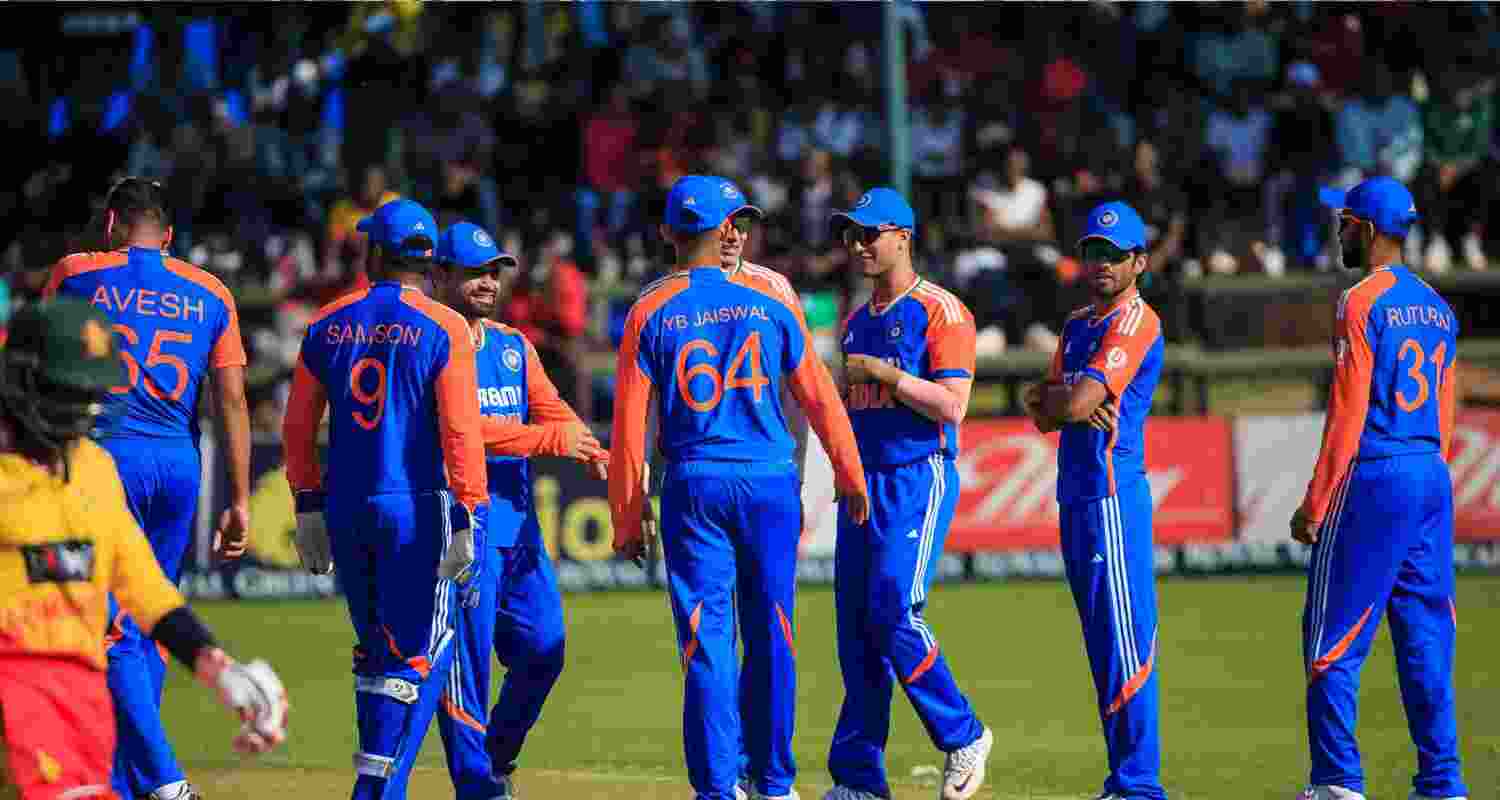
{"points": [[166, 243], [109, 228]]}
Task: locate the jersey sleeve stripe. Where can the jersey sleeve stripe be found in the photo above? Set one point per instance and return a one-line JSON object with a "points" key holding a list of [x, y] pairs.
{"points": [[948, 304]]}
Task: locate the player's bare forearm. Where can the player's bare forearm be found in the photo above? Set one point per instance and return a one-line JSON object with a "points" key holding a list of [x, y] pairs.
{"points": [[1063, 405], [945, 400], [234, 416]]}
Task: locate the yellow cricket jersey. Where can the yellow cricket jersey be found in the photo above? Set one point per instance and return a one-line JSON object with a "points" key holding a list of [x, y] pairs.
{"points": [[63, 548]]}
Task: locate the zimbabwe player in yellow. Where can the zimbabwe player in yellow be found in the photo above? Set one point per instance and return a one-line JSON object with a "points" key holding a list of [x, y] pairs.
{"points": [[67, 540]]}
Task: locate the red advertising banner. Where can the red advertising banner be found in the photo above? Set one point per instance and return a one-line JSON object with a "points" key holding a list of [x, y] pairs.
{"points": [[1475, 465], [1008, 472]]}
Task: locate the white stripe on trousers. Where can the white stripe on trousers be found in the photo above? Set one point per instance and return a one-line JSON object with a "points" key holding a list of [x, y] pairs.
{"points": [[929, 528], [1323, 566], [440, 594], [1119, 584]]}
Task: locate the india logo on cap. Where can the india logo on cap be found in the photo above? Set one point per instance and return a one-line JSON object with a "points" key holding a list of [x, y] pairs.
{"points": [[482, 239], [730, 192], [1108, 219], [95, 339]]}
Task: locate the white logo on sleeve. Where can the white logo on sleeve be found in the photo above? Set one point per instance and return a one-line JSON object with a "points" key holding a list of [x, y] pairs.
{"points": [[1115, 358], [913, 534]]}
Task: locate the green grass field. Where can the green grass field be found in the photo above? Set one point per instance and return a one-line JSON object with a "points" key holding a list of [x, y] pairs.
{"points": [[1229, 665]]}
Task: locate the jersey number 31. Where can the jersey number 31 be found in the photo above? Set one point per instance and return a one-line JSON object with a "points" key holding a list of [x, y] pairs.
{"points": [[730, 379], [1419, 360]]}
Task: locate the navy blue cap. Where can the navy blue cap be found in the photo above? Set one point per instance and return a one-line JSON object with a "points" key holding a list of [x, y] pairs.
{"points": [[877, 207], [395, 222], [1382, 201], [1117, 223], [699, 203], [467, 246]]}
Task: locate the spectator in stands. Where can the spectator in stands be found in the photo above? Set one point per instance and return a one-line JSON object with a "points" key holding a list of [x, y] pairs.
{"points": [[1239, 137], [937, 154], [611, 164], [550, 304], [1012, 213], [344, 248], [1162, 205], [667, 59], [1458, 181], [1242, 49], [814, 199], [1302, 145], [1380, 133]]}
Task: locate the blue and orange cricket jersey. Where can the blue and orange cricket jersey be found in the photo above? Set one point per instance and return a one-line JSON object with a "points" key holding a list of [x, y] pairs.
{"points": [[395, 370], [172, 322], [1123, 349], [926, 332], [718, 354], [521, 410], [1395, 355]]}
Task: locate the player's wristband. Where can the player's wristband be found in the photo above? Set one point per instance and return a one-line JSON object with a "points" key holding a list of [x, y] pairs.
{"points": [[183, 634], [310, 501]]}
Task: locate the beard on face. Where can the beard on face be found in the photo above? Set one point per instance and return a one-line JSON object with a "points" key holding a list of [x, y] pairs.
{"points": [[1353, 250]]}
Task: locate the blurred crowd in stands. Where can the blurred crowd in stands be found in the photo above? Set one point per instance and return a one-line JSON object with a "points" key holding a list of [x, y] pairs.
{"points": [[560, 126]]}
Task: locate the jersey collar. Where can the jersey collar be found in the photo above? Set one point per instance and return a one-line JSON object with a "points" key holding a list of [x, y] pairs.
{"points": [[1096, 316], [879, 311]]}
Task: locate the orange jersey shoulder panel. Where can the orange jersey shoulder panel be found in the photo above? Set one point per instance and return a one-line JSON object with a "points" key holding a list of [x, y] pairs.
{"points": [[229, 350], [950, 330], [1349, 398], [632, 409], [1124, 346], [79, 263], [460, 425]]}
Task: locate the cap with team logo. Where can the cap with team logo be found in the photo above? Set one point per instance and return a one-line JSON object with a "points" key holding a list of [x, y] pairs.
{"points": [[1383, 201], [879, 207], [699, 203], [68, 342], [1117, 223], [467, 246], [395, 225]]}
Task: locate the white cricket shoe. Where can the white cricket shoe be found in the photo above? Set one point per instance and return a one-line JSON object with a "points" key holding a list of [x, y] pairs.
{"points": [[742, 789], [963, 772], [845, 793], [1329, 793], [1474, 257], [181, 790]]}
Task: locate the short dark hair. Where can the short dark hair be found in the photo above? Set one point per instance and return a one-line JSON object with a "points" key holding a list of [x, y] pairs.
{"points": [[392, 260], [134, 200]]}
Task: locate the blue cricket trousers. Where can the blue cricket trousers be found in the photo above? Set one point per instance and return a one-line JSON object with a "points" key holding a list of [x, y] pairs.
{"points": [[882, 573], [1109, 558], [1386, 546], [386, 549], [520, 615], [730, 532], [161, 478]]}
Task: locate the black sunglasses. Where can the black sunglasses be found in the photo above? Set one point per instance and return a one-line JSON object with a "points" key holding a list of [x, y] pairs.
{"points": [[744, 223], [866, 236], [1101, 251]]}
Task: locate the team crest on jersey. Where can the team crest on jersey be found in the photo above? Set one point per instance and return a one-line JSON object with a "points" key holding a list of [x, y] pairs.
{"points": [[1108, 219], [1115, 358], [895, 332], [512, 359], [59, 562], [482, 239]]}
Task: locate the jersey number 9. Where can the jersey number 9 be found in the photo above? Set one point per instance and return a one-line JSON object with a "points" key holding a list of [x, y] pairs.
{"points": [[1413, 347], [374, 398], [730, 379]]}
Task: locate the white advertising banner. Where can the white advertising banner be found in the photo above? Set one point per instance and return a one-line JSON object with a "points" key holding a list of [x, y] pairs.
{"points": [[1273, 461]]}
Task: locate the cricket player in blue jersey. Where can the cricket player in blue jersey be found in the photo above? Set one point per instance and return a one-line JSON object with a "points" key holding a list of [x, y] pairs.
{"points": [[909, 368], [1379, 508], [712, 357], [517, 609], [403, 506], [1098, 394], [174, 325]]}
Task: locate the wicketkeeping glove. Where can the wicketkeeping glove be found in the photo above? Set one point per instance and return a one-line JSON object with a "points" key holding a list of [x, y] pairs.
{"points": [[313, 546], [251, 690], [461, 561]]}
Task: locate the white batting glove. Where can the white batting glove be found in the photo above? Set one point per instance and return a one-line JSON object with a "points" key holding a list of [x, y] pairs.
{"points": [[252, 691], [313, 545]]}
